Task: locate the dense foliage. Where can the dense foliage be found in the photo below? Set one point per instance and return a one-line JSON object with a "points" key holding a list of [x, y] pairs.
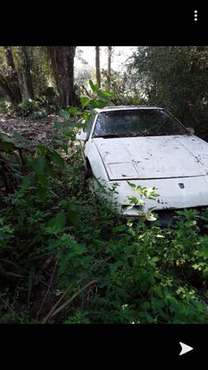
{"points": [[40, 80], [67, 257], [175, 78]]}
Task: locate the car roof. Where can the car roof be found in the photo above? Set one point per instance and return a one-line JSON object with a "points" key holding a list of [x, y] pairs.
{"points": [[124, 107]]}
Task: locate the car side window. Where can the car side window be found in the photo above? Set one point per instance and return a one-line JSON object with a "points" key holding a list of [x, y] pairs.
{"points": [[89, 126]]}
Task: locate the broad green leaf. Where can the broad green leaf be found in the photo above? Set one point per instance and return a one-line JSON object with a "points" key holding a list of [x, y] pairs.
{"points": [[56, 158], [40, 165], [63, 113], [57, 223], [93, 86], [84, 101], [6, 143]]}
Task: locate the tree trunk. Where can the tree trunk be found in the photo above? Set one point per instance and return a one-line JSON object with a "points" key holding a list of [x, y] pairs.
{"points": [[24, 74], [97, 64], [62, 62], [109, 65], [27, 78], [10, 83], [10, 60]]}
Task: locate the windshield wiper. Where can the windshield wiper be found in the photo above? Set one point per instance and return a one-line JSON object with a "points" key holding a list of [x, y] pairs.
{"points": [[137, 134], [107, 136]]}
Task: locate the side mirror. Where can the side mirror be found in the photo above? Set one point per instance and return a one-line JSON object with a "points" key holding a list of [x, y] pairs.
{"points": [[190, 130], [81, 136]]}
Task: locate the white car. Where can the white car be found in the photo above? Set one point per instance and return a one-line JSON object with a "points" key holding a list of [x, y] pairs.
{"points": [[148, 147]]}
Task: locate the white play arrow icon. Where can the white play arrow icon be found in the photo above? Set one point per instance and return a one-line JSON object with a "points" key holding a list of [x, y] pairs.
{"points": [[184, 348]]}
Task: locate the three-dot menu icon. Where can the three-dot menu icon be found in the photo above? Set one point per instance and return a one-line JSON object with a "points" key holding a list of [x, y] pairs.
{"points": [[195, 15]]}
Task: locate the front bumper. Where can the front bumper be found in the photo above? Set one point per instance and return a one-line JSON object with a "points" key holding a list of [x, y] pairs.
{"points": [[169, 217], [174, 193]]}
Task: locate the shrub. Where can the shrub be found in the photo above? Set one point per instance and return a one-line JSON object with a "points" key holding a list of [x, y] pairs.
{"points": [[27, 107], [67, 257], [35, 109]]}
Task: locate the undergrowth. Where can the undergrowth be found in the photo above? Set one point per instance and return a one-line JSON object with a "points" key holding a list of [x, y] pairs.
{"points": [[67, 257]]}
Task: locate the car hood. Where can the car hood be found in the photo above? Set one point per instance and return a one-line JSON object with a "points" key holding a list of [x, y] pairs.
{"points": [[153, 157]]}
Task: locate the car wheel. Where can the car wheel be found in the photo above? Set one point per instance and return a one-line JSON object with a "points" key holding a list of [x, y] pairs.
{"points": [[88, 171]]}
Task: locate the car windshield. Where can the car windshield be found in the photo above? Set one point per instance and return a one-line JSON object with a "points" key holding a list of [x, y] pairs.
{"points": [[137, 122]]}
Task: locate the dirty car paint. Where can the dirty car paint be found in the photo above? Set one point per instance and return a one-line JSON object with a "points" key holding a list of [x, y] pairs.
{"points": [[176, 165], [153, 157]]}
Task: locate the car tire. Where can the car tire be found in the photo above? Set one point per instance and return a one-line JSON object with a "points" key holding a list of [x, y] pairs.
{"points": [[88, 171]]}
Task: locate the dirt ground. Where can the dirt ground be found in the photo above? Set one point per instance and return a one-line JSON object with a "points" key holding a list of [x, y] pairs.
{"points": [[39, 131]]}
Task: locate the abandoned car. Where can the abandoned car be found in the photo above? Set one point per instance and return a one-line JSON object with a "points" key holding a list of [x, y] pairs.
{"points": [[147, 147]]}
